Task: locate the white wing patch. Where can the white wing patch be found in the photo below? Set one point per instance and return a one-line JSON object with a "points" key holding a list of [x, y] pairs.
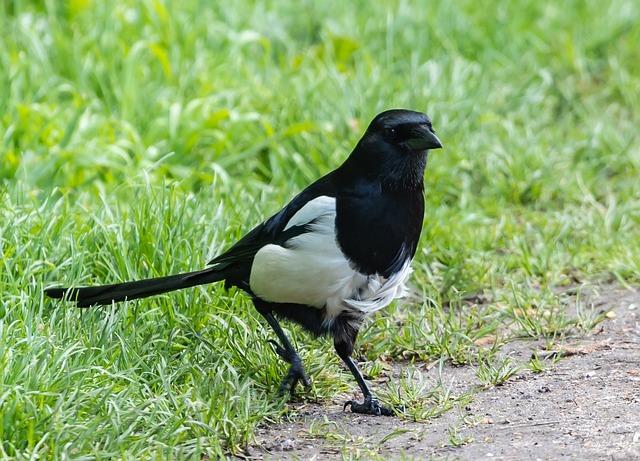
{"points": [[314, 209], [313, 271]]}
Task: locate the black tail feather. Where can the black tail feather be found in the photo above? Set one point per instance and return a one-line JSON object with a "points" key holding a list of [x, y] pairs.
{"points": [[107, 294]]}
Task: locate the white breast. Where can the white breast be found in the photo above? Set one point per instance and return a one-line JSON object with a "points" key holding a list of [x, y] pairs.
{"points": [[313, 271]]}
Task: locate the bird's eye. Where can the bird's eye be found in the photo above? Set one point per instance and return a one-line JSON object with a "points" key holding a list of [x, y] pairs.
{"points": [[389, 134]]}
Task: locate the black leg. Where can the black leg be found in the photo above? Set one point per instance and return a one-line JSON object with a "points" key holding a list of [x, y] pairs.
{"points": [[288, 353], [371, 405], [343, 344]]}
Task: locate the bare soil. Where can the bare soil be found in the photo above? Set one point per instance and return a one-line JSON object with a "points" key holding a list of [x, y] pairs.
{"points": [[586, 407]]}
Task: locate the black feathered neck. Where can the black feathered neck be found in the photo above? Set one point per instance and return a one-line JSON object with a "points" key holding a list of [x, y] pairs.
{"points": [[393, 167]]}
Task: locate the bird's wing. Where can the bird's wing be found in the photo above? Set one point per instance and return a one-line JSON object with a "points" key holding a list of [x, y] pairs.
{"points": [[280, 227]]}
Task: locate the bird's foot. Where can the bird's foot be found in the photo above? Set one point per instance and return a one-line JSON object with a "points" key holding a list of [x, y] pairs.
{"points": [[296, 371], [296, 374], [371, 406]]}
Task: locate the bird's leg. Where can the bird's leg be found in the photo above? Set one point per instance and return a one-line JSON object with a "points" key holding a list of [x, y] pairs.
{"points": [[343, 344], [288, 353], [371, 405]]}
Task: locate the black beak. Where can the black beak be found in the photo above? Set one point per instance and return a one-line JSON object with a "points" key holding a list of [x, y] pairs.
{"points": [[424, 138]]}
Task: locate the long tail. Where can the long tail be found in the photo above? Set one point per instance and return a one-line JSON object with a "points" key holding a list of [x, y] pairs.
{"points": [[107, 294]]}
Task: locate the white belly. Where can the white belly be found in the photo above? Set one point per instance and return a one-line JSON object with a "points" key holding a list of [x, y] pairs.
{"points": [[313, 271]]}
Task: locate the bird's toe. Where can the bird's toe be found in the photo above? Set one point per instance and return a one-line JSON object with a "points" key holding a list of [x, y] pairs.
{"points": [[295, 375], [370, 406]]}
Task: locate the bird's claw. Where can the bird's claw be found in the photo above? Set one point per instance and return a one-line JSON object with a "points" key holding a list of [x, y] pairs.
{"points": [[294, 375], [281, 351], [371, 406], [296, 370]]}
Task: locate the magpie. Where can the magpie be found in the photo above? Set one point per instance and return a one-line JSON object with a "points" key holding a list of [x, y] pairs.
{"points": [[339, 251]]}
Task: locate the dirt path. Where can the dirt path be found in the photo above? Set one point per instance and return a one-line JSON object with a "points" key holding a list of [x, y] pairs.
{"points": [[587, 407]]}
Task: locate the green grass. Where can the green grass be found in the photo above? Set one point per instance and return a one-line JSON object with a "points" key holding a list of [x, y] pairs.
{"points": [[142, 138]]}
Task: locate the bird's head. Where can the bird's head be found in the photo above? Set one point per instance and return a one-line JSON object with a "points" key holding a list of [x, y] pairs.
{"points": [[403, 130], [395, 147]]}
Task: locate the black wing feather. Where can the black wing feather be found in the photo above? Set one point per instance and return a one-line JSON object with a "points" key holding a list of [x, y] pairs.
{"points": [[272, 230]]}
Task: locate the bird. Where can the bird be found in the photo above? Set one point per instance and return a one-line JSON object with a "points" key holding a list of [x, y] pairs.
{"points": [[339, 251]]}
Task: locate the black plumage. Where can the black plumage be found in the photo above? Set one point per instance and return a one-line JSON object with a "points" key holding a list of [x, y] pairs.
{"points": [[337, 252]]}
